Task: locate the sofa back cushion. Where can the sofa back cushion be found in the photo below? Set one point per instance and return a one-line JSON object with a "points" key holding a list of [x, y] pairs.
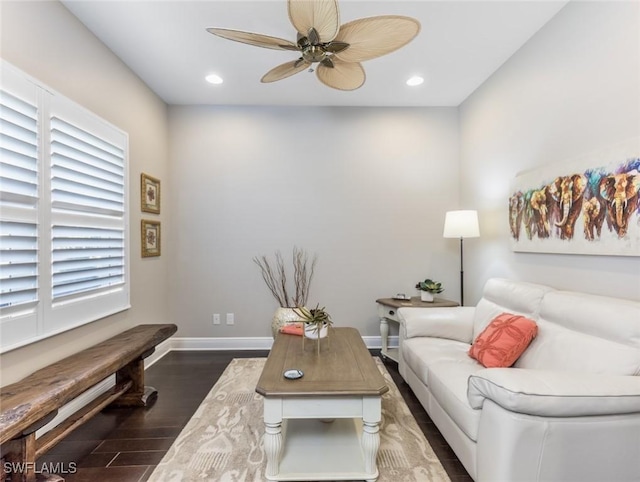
{"points": [[507, 296], [589, 333]]}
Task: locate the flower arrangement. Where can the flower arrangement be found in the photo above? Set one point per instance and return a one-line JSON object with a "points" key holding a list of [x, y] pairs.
{"points": [[275, 276], [430, 286]]}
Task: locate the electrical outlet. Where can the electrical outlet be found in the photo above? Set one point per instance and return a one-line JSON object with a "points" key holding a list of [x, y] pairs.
{"points": [[216, 318], [230, 319]]}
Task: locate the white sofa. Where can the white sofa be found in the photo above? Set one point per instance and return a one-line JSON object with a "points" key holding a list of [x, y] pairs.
{"points": [[569, 408]]}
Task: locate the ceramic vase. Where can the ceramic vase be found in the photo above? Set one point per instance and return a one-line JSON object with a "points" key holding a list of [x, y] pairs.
{"points": [[281, 317], [426, 296], [310, 331]]}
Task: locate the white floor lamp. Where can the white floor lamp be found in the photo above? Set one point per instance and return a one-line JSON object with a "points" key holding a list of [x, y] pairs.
{"points": [[461, 224]]}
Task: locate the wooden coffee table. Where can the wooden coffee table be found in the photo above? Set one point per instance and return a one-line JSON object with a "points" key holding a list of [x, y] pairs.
{"points": [[325, 425]]}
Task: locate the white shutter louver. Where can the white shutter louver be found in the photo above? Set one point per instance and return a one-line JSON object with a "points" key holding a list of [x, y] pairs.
{"points": [[87, 183], [87, 172], [18, 150], [86, 259], [19, 266], [18, 199]]}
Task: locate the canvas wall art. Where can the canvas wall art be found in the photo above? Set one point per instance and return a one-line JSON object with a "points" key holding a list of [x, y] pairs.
{"points": [[589, 205]]}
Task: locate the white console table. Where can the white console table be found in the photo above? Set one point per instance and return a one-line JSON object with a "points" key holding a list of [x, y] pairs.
{"points": [[388, 311]]}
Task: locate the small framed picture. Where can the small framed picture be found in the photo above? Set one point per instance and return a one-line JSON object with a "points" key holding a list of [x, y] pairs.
{"points": [[150, 238], [150, 194]]}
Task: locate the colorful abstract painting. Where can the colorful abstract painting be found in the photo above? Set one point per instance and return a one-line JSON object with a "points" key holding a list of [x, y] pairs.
{"points": [[589, 205]]}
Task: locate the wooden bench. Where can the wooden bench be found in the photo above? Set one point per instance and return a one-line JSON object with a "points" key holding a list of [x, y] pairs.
{"points": [[34, 401]]}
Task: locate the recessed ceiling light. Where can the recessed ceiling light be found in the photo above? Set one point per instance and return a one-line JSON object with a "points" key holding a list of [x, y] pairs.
{"points": [[415, 80], [214, 79]]}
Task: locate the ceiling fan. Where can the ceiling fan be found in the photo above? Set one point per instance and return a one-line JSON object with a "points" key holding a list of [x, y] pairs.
{"points": [[337, 50]]}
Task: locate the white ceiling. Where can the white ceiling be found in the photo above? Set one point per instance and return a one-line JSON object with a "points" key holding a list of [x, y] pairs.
{"points": [[460, 45]]}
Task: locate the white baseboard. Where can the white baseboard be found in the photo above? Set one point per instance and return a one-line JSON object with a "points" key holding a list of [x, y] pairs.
{"points": [[246, 343], [182, 344], [77, 403], [161, 350]]}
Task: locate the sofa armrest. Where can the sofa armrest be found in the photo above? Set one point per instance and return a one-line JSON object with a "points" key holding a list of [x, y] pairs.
{"points": [[455, 323], [550, 393]]}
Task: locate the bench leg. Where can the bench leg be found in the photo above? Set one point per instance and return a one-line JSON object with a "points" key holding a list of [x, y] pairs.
{"points": [[20, 458], [138, 395]]}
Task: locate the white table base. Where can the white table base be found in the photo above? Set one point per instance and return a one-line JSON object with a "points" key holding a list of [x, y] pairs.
{"points": [[299, 446]]}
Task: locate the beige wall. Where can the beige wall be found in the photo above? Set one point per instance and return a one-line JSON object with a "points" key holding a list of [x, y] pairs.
{"points": [[47, 42], [364, 188], [574, 88]]}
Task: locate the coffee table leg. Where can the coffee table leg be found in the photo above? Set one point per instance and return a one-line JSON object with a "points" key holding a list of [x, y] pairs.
{"points": [[371, 434], [273, 439], [370, 445], [272, 447]]}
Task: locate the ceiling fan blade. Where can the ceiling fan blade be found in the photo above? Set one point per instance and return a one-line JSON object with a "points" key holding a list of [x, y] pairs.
{"points": [[335, 46], [372, 37], [285, 70], [342, 76], [321, 15], [256, 39]]}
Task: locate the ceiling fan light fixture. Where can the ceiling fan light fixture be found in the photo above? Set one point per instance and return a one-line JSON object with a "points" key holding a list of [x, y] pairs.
{"points": [[415, 81], [214, 79], [338, 50]]}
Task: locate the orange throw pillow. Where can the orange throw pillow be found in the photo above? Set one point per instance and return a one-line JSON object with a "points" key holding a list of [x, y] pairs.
{"points": [[292, 329], [503, 340]]}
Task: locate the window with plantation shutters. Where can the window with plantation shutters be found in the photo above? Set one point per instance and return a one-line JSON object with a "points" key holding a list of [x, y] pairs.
{"points": [[63, 213]]}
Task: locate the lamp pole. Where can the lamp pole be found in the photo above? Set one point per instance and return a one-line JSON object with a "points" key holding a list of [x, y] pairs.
{"points": [[461, 272], [461, 224]]}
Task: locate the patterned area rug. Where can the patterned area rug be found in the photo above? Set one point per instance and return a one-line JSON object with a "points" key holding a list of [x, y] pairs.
{"points": [[223, 440]]}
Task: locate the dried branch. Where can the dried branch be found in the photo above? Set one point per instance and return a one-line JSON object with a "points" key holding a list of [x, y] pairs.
{"points": [[283, 278], [275, 276], [302, 275], [270, 279]]}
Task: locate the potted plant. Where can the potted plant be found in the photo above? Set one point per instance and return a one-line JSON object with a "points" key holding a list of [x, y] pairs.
{"points": [[274, 275], [316, 323], [428, 288]]}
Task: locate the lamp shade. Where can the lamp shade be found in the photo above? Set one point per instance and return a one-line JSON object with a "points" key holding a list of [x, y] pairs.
{"points": [[461, 224]]}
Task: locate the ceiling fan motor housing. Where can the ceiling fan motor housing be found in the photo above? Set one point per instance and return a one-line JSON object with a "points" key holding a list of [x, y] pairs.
{"points": [[314, 53]]}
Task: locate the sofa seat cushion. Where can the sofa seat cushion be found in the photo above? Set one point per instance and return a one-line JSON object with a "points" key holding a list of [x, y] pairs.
{"points": [[421, 353], [448, 386]]}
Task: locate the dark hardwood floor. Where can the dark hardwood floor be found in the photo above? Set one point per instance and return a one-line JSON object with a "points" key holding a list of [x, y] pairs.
{"points": [[124, 445]]}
